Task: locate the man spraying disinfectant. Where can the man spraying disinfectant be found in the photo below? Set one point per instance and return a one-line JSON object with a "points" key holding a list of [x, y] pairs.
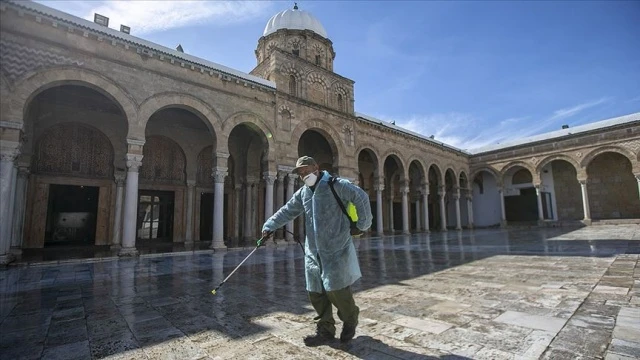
{"points": [[331, 263]]}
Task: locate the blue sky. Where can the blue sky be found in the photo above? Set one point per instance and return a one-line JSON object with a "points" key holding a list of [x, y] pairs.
{"points": [[472, 73]]}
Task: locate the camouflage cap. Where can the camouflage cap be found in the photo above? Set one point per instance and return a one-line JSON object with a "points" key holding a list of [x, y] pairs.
{"points": [[303, 162]]}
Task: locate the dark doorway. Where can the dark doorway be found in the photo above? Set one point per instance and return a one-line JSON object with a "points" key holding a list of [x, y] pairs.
{"points": [[71, 215], [155, 216], [206, 216], [397, 216], [523, 207]]}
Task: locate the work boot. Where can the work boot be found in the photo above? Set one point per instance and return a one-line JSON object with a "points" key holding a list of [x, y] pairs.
{"points": [[348, 332], [321, 337]]}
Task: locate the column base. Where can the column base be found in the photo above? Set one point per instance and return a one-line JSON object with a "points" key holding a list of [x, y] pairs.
{"points": [[7, 258], [503, 224], [586, 221], [219, 245], [459, 228], [128, 252], [407, 232]]}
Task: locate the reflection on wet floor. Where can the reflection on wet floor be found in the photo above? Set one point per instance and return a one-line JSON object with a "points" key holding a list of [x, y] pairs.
{"points": [[162, 303]]}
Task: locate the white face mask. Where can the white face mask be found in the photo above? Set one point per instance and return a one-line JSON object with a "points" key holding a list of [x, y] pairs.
{"points": [[310, 179]]}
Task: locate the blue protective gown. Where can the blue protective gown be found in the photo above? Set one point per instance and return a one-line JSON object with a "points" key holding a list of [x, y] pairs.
{"points": [[330, 256]]}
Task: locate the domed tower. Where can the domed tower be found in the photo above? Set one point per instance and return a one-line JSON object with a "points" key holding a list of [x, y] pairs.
{"points": [[295, 53]]}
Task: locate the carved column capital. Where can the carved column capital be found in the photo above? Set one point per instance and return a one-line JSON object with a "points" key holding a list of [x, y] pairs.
{"points": [[281, 176], [9, 153], [404, 190], [191, 183], [219, 174], [379, 187], [119, 178], [582, 181], [269, 178], [134, 161], [251, 180], [637, 176], [292, 176], [469, 197], [23, 171]]}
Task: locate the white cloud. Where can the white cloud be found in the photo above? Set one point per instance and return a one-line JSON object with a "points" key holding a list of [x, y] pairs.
{"points": [[466, 131], [152, 16], [568, 112]]}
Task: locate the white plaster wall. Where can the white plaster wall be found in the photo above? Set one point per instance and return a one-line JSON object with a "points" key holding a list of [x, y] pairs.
{"points": [[486, 206]]}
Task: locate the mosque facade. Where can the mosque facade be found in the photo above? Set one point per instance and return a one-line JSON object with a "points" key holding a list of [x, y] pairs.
{"points": [[110, 140]]}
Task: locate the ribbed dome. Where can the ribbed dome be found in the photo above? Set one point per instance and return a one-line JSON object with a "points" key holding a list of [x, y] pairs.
{"points": [[294, 19]]}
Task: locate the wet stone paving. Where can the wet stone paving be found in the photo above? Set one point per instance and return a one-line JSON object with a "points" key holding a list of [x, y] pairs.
{"points": [[549, 293]]}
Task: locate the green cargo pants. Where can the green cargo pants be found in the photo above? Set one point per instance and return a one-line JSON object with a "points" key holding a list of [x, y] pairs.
{"points": [[343, 300]]}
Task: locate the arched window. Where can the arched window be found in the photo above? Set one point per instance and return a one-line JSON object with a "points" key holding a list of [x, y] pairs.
{"points": [[292, 85], [318, 60], [340, 103]]}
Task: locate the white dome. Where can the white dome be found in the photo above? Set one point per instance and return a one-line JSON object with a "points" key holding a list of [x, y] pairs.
{"points": [[294, 19]]}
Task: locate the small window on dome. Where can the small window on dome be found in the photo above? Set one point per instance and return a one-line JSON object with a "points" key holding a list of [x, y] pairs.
{"points": [[318, 60], [296, 52]]}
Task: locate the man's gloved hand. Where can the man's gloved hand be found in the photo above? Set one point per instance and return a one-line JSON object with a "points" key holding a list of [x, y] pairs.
{"points": [[265, 236]]}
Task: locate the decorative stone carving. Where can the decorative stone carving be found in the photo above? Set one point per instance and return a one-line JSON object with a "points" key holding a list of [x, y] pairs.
{"points": [[285, 120], [269, 178], [164, 161], [134, 162], [191, 183], [119, 178], [19, 59], [579, 154], [295, 43], [219, 175], [534, 160], [74, 149], [347, 129]]}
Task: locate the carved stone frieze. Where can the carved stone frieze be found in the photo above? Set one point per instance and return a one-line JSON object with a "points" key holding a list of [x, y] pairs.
{"points": [[18, 59]]}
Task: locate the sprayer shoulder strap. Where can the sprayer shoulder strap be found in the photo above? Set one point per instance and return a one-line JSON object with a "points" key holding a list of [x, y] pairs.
{"points": [[331, 181]]}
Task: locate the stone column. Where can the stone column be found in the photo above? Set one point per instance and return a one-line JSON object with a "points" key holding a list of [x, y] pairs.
{"points": [[379, 217], [585, 201], [116, 240], [134, 161], [12, 205], [456, 199], [417, 210], [269, 179], [219, 173], [425, 204], [7, 157], [188, 236], [247, 230], [391, 227], [280, 198], [20, 201], [405, 210], [638, 179], [503, 222], [291, 178], [539, 200], [443, 209], [238, 201], [470, 210]]}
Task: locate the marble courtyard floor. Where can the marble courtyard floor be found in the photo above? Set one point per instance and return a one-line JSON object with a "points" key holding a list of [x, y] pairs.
{"points": [[553, 293]]}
